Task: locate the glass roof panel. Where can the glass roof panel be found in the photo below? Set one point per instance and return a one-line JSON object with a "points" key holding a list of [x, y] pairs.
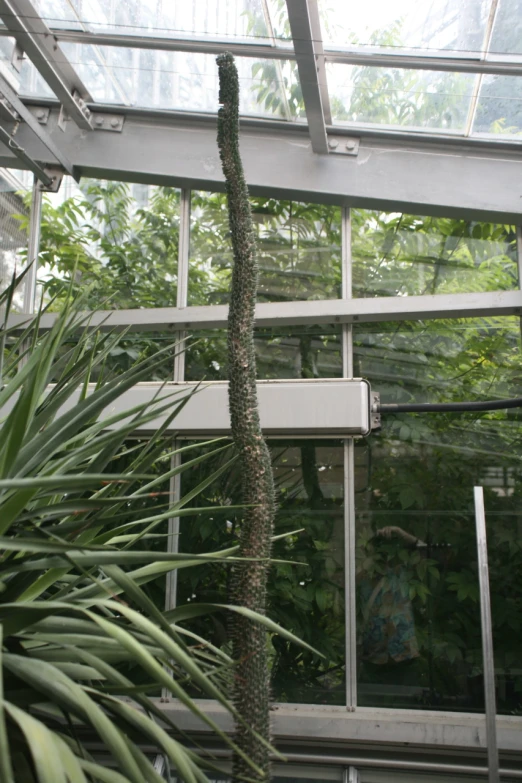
{"points": [[26, 82], [430, 25], [507, 30], [499, 108], [182, 80], [415, 100], [249, 20]]}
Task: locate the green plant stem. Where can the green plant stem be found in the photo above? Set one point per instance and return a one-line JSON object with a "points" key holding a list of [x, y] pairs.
{"points": [[249, 581]]}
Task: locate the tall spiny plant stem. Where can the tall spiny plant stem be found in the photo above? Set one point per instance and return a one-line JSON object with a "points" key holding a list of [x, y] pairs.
{"points": [[249, 580]]}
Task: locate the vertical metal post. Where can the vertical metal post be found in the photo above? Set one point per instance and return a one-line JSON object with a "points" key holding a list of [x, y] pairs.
{"points": [[33, 248], [487, 636], [351, 775], [173, 532], [349, 482], [183, 272], [179, 375], [519, 263]]}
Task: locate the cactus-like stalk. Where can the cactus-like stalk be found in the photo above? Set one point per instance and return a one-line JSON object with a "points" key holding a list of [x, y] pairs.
{"points": [[252, 681]]}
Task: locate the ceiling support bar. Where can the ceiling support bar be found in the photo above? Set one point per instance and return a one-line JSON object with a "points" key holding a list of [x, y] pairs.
{"points": [[25, 114], [304, 21], [10, 142], [34, 37], [494, 64]]}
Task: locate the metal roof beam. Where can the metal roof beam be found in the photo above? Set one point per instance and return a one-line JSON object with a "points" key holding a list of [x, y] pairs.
{"points": [[176, 44], [303, 17], [500, 66], [37, 41], [413, 175], [25, 114], [24, 158]]}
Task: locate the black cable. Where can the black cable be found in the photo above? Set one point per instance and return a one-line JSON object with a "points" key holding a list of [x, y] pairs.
{"points": [[449, 407]]}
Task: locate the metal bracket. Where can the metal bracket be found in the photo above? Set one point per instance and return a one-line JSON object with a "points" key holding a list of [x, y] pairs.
{"points": [[41, 113], [375, 416], [81, 105], [7, 111], [17, 57], [351, 775], [98, 120], [343, 145], [56, 175], [108, 122]]}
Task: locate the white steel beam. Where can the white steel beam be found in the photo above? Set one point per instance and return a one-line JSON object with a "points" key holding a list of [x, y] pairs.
{"points": [[493, 64], [426, 179], [37, 41], [459, 63], [25, 114], [326, 311], [304, 23]]}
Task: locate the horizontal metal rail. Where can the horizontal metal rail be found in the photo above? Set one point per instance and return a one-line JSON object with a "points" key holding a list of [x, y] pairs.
{"points": [[503, 66], [326, 311]]}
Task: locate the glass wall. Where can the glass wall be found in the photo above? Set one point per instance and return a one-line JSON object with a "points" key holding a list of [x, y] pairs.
{"points": [[306, 599], [418, 614], [298, 247], [120, 240], [14, 231], [411, 632]]}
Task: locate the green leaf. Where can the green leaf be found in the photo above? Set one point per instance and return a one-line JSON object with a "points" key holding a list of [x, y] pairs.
{"points": [[46, 758]]}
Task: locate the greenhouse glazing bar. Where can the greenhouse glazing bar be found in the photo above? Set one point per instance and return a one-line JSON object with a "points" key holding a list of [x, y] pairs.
{"points": [[494, 64], [37, 41], [302, 14]]}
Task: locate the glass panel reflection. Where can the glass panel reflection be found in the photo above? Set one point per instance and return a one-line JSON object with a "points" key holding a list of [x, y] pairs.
{"points": [[435, 100], [14, 222], [419, 643], [235, 19], [155, 79], [507, 31], [121, 239], [298, 249], [405, 255], [307, 600], [499, 109], [295, 352], [448, 25]]}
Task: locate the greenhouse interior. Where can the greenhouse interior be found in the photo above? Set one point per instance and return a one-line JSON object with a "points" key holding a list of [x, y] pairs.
{"points": [[260, 394]]}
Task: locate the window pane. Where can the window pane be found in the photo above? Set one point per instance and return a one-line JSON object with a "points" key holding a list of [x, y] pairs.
{"points": [[237, 19], [400, 255], [293, 352], [507, 32], [307, 600], [298, 249], [420, 100], [14, 218], [121, 239], [419, 643], [454, 25], [156, 79], [499, 109]]}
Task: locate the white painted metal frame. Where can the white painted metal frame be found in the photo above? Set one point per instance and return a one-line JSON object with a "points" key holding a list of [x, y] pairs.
{"points": [[487, 636], [37, 41], [180, 150]]}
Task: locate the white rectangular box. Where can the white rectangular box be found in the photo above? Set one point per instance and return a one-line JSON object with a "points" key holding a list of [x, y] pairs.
{"points": [[325, 407]]}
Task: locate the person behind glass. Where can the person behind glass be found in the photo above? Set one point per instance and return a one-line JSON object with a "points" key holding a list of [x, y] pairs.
{"points": [[388, 631]]}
